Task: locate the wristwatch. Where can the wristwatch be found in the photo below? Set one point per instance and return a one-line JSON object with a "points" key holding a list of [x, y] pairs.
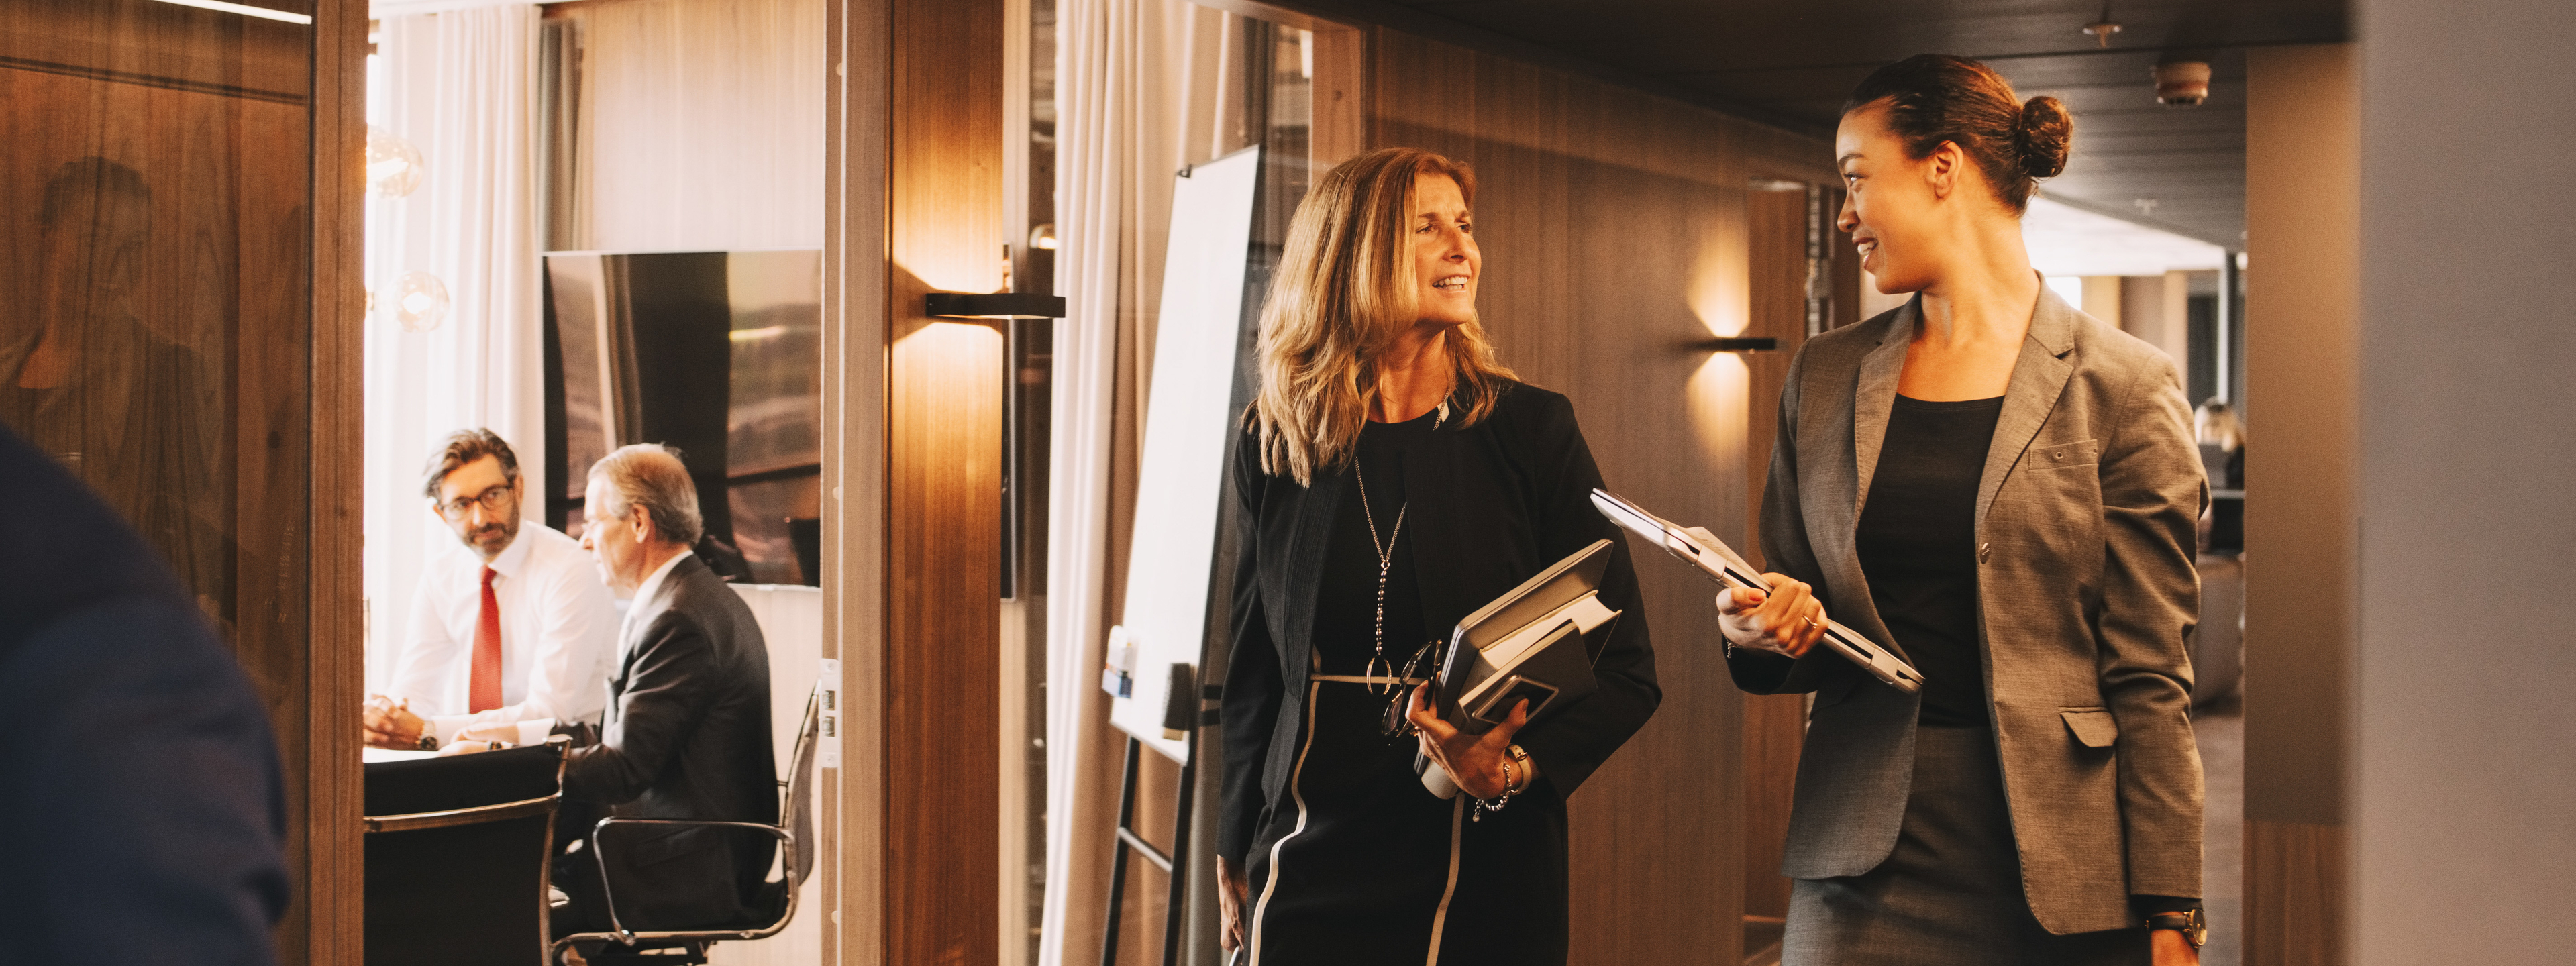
{"points": [[2193, 926], [428, 739]]}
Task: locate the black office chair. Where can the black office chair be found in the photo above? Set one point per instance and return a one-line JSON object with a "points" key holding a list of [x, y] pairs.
{"points": [[774, 907], [458, 851]]}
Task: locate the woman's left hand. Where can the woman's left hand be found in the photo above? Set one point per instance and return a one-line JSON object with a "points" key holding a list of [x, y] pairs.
{"points": [[1474, 762], [2171, 949]]}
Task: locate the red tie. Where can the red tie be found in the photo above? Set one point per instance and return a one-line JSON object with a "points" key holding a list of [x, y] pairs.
{"points": [[485, 692]]}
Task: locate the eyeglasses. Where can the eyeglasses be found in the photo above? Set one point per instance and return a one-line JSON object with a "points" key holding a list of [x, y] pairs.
{"points": [[1425, 661], [493, 501]]}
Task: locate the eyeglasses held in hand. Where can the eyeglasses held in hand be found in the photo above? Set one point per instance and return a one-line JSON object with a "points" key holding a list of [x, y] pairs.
{"points": [[1417, 669]]}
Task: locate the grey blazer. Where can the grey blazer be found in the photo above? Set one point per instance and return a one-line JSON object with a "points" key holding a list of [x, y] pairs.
{"points": [[2087, 592]]}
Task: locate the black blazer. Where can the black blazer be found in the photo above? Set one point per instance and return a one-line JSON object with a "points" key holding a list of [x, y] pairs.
{"points": [[1517, 493], [686, 736]]}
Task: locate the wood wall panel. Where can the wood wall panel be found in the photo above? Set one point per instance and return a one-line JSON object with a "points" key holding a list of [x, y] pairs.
{"points": [[1775, 729], [853, 803], [1776, 280], [1774, 725], [1614, 236], [1341, 108], [333, 786], [943, 486], [2296, 877], [2302, 573]]}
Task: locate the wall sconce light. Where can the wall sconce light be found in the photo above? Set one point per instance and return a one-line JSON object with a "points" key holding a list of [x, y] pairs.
{"points": [[993, 306], [1737, 343]]}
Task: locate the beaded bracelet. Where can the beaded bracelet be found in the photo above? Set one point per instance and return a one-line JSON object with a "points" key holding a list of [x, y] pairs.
{"points": [[1516, 773], [1496, 804]]}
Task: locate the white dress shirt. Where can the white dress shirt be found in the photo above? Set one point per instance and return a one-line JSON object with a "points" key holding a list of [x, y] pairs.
{"points": [[558, 627]]}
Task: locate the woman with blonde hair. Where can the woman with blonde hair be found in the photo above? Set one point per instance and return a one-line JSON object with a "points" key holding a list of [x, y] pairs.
{"points": [[1391, 478]]}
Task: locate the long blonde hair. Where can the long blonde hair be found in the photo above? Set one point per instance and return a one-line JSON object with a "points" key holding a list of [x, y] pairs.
{"points": [[1344, 290]]}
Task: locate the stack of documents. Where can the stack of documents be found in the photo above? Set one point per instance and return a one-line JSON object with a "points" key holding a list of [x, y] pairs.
{"points": [[1533, 644]]}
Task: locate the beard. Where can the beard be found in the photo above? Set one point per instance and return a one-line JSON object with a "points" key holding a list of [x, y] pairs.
{"points": [[489, 539]]}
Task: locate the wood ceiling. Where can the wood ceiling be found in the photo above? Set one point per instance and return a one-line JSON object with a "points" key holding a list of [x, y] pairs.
{"points": [[1790, 62]]}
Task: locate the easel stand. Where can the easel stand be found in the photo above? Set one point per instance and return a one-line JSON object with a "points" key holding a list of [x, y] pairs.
{"points": [[1177, 863]]}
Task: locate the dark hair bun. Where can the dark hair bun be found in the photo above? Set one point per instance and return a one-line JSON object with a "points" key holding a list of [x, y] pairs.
{"points": [[2045, 133]]}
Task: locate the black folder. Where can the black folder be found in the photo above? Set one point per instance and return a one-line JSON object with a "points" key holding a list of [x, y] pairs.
{"points": [[1536, 643]]}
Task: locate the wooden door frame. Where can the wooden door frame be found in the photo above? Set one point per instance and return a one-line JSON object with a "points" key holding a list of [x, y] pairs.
{"points": [[326, 782], [854, 339], [909, 830]]}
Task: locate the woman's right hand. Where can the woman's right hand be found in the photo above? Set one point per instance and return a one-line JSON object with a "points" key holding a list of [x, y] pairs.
{"points": [[1787, 620], [1231, 888]]}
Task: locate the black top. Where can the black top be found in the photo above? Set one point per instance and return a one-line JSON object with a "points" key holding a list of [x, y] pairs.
{"points": [[1346, 599], [1513, 495], [1918, 547]]}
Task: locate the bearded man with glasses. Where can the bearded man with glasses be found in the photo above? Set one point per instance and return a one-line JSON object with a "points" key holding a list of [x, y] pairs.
{"points": [[511, 629]]}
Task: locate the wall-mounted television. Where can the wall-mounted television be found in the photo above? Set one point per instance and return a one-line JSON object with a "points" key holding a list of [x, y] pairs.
{"points": [[718, 354]]}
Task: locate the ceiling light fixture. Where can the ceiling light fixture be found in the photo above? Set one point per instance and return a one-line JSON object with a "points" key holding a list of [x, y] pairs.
{"points": [[2103, 29], [418, 301], [393, 164], [2182, 83]]}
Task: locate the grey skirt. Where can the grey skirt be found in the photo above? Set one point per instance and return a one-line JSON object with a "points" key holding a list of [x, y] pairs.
{"points": [[1951, 892]]}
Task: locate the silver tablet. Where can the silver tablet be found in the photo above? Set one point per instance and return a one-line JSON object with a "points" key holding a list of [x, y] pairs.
{"points": [[1701, 549]]}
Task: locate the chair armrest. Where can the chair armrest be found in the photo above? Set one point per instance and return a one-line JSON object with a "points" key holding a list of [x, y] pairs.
{"points": [[460, 816], [608, 889]]}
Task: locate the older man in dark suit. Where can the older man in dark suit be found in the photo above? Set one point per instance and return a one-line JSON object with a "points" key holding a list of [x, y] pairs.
{"points": [[687, 729]]}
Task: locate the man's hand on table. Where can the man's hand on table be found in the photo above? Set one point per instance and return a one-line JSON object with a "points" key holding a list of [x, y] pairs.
{"points": [[488, 736], [390, 723]]}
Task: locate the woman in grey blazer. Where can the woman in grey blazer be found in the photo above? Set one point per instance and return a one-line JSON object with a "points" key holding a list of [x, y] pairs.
{"points": [[2002, 489]]}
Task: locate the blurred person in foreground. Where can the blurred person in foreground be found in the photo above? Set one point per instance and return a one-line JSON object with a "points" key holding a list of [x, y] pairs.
{"points": [[142, 812]]}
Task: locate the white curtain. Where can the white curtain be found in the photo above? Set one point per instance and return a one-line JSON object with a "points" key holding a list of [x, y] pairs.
{"points": [[461, 87], [1097, 50], [1140, 92], [700, 126]]}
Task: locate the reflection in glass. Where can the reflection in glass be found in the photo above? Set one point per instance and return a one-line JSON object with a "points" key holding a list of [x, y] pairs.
{"points": [[124, 403], [715, 353], [153, 244]]}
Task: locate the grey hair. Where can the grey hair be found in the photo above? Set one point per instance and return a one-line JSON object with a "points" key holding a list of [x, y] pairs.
{"points": [[650, 475]]}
